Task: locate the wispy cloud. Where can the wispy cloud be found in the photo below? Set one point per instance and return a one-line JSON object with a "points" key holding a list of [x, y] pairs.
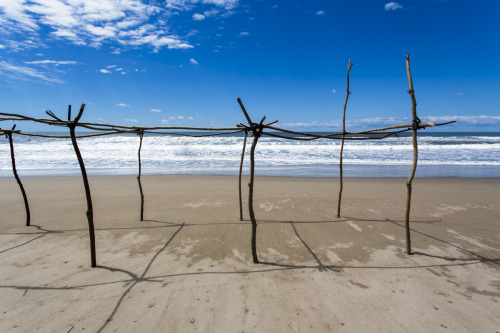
{"points": [[123, 105], [130, 23], [227, 4], [244, 33], [26, 73], [353, 123], [368, 123], [198, 17], [460, 94], [334, 91], [131, 120], [320, 13], [155, 110], [164, 121], [392, 6], [470, 120], [194, 62], [51, 62], [104, 71]]}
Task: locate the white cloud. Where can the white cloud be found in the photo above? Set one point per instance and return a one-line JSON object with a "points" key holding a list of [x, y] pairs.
{"points": [[460, 94], [131, 120], [319, 13], [244, 33], [210, 13], [104, 71], [164, 121], [392, 6], [353, 123], [334, 91], [25, 73], [2, 46], [190, 118], [198, 17], [470, 120], [369, 123], [51, 62], [123, 104], [171, 118], [131, 23], [180, 117], [194, 62], [228, 4], [155, 110]]}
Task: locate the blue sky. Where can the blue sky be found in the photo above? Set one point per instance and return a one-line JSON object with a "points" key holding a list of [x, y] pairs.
{"points": [[185, 62]]}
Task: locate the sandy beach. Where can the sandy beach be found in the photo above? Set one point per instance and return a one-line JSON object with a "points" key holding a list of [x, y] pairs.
{"points": [[188, 266]]}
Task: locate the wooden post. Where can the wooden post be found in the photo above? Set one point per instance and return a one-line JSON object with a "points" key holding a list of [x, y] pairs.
{"points": [[141, 135], [239, 177], [343, 139], [14, 170], [415, 126], [90, 211], [256, 132]]}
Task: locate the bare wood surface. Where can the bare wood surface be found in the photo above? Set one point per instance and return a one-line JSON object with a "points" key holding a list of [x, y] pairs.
{"points": [[90, 211], [415, 156], [343, 139], [141, 135], [14, 170], [239, 175], [256, 132]]}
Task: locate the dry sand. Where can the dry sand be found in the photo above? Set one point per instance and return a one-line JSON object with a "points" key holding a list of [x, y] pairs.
{"points": [[189, 268]]}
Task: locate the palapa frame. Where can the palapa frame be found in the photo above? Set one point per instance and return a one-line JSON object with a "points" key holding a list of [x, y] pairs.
{"points": [[255, 129]]}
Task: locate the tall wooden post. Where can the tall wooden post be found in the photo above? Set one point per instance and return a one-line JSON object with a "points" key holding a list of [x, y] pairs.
{"points": [[343, 139], [415, 125], [14, 170], [239, 177], [256, 132], [90, 211], [141, 135]]}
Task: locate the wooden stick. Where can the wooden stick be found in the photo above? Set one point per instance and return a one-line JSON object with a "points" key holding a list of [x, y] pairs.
{"points": [[239, 178], [256, 132], [343, 139], [58, 122], [141, 134], [14, 170], [90, 212], [256, 136], [416, 121]]}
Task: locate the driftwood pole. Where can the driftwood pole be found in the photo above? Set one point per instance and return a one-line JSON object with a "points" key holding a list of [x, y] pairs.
{"points": [[256, 132], [415, 126], [14, 170], [239, 177], [90, 212], [141, 135], [343, 139]]}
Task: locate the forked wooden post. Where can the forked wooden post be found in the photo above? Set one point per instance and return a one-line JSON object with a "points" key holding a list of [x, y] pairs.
{"points": [[14, 170], [415, 126], [239, 177], [343, 139], [141, 135], [90, 212], [256, 132]]}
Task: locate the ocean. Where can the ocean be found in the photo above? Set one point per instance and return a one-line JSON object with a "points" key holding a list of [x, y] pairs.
{"points": [[450, 154]]}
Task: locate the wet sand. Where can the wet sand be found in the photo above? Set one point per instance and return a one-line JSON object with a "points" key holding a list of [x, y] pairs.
{"points": [[188, 266]]}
